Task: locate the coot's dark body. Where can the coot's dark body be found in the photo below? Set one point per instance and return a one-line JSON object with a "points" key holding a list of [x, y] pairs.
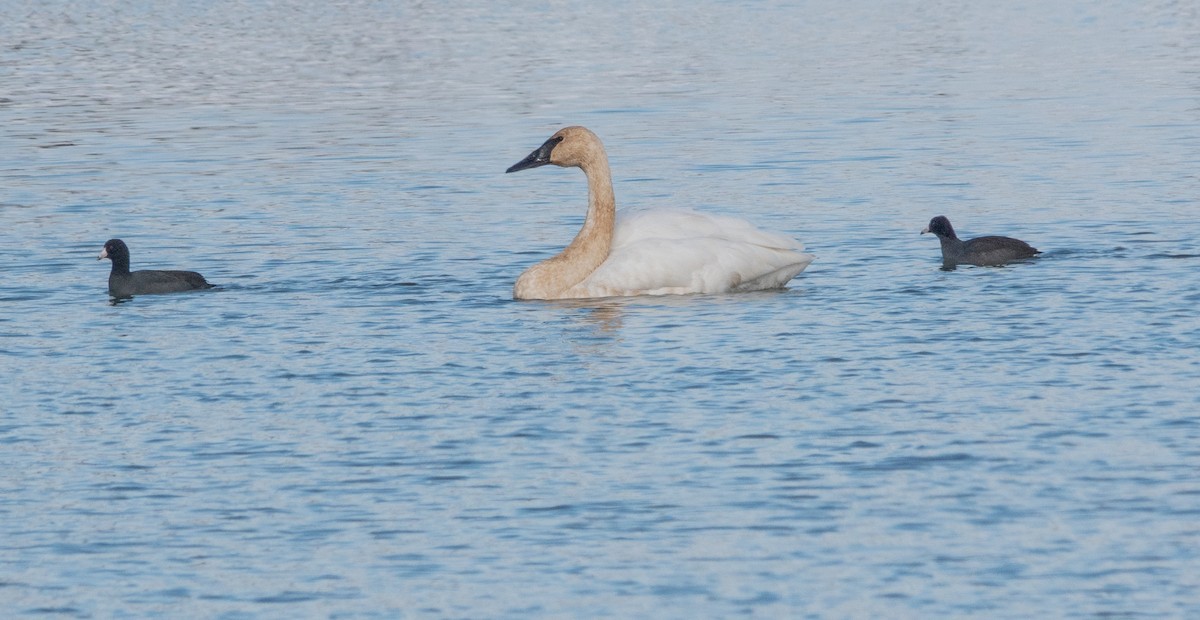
{"points": [[124, 283], [982, 251]]}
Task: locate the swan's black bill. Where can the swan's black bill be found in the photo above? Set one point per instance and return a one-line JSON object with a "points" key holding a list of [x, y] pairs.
{"points": [[539, 157]]}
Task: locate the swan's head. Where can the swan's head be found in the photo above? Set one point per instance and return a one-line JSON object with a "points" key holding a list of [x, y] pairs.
{"points": [[941, 227], [569, 146]]}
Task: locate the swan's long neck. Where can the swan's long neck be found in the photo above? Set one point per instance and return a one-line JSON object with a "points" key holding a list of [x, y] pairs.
{"points": [[551, 278], [590, 247]]}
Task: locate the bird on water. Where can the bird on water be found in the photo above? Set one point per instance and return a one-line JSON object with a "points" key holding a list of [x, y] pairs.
{"points": [[650, 252], [125, 283], [986, 251]]}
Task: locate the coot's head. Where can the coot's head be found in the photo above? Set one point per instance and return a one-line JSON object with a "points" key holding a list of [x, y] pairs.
{"points": [[114, 250], [941, 227]]}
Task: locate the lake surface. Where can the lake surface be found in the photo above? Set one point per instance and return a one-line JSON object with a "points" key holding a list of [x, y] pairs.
{"points": [[361, 423]]}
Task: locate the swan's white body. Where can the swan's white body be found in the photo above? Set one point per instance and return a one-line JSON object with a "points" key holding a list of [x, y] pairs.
{"points": [[650, 252], [676, 252]]}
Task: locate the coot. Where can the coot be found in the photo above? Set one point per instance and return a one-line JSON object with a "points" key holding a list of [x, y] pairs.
{"points": [[981, 251], [123, 283]]}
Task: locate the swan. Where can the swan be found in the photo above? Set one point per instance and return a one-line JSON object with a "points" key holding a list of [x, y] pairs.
{"points": [[988, 251], [649, 252]]}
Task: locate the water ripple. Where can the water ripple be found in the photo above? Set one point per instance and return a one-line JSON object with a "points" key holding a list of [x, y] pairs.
{"points": [[361, 422]]}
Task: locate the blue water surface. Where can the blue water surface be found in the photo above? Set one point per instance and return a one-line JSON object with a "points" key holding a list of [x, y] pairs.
{"points": [[361, 423]]}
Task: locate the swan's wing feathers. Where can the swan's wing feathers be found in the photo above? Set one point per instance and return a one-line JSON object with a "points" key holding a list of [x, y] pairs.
{"points": [[695, 265], [675, 251], [637, 225], [651, 264]]}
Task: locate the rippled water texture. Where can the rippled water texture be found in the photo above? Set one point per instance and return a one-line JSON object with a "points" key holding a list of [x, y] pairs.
{"points": [[360, 422]]}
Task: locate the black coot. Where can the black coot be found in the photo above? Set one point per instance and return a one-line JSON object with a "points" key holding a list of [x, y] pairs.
{"points": [[123, 283], [981, 251]]}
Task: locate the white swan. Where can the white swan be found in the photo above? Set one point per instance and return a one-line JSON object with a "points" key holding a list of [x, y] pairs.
{"points": [[653, 252]]}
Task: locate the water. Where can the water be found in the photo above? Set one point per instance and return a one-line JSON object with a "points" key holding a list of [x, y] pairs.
{"points": [[361, 423]]}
